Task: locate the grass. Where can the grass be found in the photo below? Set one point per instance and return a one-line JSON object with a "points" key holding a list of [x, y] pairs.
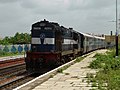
{"points": [[79, 59], [108, 78], [62, 69], [67, 73]]}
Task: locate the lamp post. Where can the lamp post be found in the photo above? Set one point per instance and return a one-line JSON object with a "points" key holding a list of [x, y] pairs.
{"points": [[116, 32]]}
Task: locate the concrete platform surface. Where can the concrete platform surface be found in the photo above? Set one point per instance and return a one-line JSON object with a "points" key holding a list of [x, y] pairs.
{"points": [[73, 78]]}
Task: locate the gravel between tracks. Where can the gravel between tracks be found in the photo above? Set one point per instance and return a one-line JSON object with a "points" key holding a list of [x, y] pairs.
{"points": [[11, 57]]}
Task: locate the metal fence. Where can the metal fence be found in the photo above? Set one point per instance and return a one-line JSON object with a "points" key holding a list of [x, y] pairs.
{"points": [[15, 48]]}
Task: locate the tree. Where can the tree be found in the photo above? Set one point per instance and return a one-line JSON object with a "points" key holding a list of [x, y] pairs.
{"points": [[23, 38]]}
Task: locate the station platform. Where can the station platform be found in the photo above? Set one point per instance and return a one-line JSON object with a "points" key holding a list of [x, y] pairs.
{"points": [[73, 78]]}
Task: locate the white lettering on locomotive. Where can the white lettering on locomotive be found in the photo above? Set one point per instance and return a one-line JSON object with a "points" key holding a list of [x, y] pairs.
{"points": [[37, 28], [48, 28]]}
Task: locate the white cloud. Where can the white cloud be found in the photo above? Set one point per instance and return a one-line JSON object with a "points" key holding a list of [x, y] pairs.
{"points": [[83, 15], [8, 1], [44, 6]]}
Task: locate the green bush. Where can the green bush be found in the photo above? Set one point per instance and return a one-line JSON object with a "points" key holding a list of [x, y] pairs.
{"points": [[106, 62], [99, 62], [3, 53], [109, 76]]}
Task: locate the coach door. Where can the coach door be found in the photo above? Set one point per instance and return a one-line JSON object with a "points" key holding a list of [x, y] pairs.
{"points": [[75, 37], [58, 41]]}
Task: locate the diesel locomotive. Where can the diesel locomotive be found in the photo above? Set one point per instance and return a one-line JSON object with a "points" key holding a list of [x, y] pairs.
{"points": [[52, 44]]}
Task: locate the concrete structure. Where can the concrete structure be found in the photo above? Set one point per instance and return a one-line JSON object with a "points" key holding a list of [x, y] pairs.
{"points": [[73, 78], [111, 40]]}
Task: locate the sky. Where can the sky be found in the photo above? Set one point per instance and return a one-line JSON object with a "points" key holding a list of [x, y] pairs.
{"points": [[87, 16]]}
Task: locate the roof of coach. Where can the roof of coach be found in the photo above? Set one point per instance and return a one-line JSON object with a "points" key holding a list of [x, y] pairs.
{"points": [[99, 37], [86, 35], [93, 36]]}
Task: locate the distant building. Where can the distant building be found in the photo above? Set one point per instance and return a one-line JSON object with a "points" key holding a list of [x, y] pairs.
{"points": [[110, 39]]}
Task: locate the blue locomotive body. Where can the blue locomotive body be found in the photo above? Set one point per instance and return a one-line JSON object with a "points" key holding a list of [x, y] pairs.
{"points": [[52, 44]]}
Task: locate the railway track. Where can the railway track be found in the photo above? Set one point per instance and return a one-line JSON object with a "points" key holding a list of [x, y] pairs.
{"points": [[16, 81], [15, 76], [14, 70], [10, 73], [11, 62], [10, 69]]}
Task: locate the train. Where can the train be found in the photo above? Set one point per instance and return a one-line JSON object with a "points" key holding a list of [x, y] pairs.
{"points": [[54, 45]]}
